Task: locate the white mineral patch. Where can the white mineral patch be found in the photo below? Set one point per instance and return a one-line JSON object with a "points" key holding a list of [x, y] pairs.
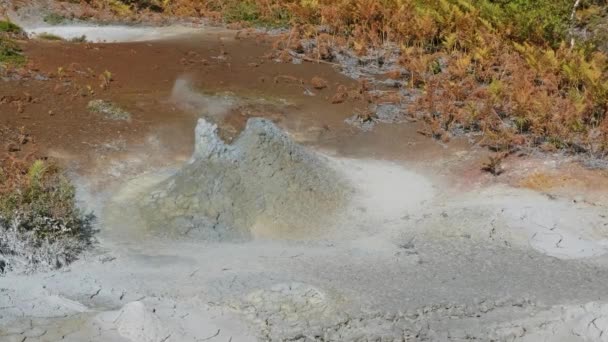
{"points": [[111, 33]]}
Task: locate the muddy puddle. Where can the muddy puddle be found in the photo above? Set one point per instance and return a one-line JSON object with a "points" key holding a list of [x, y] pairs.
{"points": [[287, 222]]}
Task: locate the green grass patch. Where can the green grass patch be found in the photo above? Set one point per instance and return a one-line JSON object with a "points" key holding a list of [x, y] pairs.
{"points": [[54, 19], [534, 21], [242, 11], [49, 36], [251, 12], [10, 52], [9, 27]]}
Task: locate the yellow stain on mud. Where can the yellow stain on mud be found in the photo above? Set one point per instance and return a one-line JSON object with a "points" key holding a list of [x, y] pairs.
{"points": [[541, 181]]}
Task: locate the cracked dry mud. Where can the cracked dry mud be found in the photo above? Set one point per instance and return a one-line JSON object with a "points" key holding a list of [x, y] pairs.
{"points": [[399, 263]]}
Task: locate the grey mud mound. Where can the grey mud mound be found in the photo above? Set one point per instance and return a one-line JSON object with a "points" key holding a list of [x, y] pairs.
{"points": [[263, 185]]}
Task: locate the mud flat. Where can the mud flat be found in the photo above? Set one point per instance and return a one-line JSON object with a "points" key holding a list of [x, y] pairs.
{"points": [[403, 260]]}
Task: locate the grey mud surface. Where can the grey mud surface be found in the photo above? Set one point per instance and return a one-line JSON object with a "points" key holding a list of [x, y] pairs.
{"points": [[401, 261], [353, 250]]}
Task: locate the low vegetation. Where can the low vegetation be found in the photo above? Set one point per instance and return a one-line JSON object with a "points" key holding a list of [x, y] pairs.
{"points": [[80, 39], [9, 27], [49, 36], [40, 225], [54, 19], [10, 52]]}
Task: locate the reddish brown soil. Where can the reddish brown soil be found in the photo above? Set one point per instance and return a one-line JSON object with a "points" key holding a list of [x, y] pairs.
{"points": [[54, 112]]}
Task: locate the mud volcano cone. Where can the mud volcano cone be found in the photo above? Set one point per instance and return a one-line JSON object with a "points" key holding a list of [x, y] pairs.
{"points": [[263, 185]]}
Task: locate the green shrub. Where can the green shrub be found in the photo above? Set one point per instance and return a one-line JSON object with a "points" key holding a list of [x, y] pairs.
{"points": [[81, 39], [536, 21], [241, 11], [9, 27], [43, 194], [251, 11], [10, 53], [39, 220], [54, 19]]}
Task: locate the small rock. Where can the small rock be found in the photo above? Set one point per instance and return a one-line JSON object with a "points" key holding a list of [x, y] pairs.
{"points": [[318, 83], [13, 148], [39, 77], [340, 96], [307, 92]]}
